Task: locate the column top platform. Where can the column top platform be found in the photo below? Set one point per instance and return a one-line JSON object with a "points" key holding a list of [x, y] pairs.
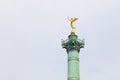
{"points": [[73, 43]]}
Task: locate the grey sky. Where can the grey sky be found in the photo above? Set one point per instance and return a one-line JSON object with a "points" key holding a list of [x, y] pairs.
{"points": [[31, 33]]}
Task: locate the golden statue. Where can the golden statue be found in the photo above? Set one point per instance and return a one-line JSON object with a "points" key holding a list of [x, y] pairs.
{"points": [[72, 20]]}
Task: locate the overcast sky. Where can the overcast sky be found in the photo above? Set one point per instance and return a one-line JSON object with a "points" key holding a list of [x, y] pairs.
{"points": [[31, 33]]}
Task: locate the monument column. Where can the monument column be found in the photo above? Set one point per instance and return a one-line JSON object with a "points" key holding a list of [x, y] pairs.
{"points": [[72, 46]]}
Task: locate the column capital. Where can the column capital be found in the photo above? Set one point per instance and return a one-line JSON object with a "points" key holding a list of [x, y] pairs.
{"points": [[73, 43]]}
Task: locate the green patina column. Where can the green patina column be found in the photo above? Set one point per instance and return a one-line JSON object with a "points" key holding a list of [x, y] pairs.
{"points": [[73, 45]]}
